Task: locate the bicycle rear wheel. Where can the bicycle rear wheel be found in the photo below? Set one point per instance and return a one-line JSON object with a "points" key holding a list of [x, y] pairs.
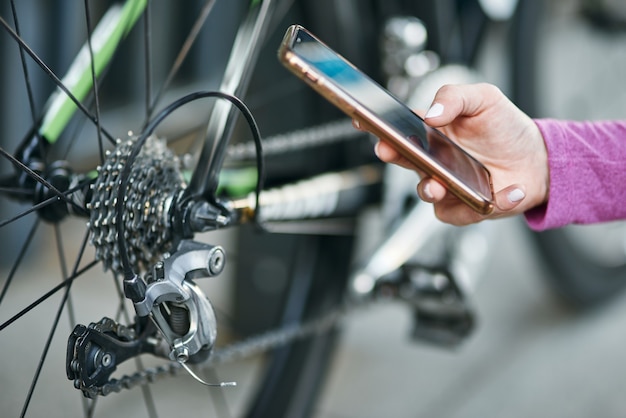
{"points": [[34, 305]]}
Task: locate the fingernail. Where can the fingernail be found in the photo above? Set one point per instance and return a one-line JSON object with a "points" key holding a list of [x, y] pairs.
{"points": [[356, 124], [376, 149], [516, 195], [427, 193], [435, 110]]}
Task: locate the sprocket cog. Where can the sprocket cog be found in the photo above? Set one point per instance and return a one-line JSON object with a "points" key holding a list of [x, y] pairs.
{"points": [[155, 179]]}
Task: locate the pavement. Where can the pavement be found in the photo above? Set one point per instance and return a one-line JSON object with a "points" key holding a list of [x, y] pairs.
{"points": [[530, 355]]}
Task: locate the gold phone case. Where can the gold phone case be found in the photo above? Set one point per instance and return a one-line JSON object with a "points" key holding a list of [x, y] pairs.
{"points": [[379, 127]]}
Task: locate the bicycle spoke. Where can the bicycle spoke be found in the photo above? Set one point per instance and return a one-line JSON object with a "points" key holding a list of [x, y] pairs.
{"points": [[25, 72], [44, 354], [74, 136], [60, 251], [147, 50], [24, 46], [63, 266], [145, 389], [15, 191], [91, 406], [39, 179], [28, 211], [18, 260], [67, 282], [87, 407], [184, 51], [65, 301], [40, 205], [147, 393], [94, 80]]}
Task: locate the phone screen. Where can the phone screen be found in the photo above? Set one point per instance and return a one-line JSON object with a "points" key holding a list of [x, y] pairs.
{"points": [[380, 102]]}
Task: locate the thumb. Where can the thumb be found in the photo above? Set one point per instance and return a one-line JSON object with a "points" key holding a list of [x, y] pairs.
{"points": [[452, 101], [510, 197]]}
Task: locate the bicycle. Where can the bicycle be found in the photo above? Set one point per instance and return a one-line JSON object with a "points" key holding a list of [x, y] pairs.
{"points": [[308, 258]]}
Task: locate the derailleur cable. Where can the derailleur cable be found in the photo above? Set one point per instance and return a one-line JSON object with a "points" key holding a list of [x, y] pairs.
{"points": [[134, 286], [129, 274]]}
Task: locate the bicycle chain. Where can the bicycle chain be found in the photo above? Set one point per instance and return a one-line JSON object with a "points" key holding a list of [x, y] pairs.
{"points": [[324, 134], [237, 351]]}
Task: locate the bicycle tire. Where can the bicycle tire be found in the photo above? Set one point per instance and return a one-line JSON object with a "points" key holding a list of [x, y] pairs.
{"points": [[315, 285], [578, 274]]}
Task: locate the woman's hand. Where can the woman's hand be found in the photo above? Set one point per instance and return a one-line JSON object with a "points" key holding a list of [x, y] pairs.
{"points": [[493, 130]]}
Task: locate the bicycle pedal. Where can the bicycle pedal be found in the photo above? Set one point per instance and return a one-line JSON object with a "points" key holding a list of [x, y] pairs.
{"points": [[442, 314], [448, 330]]}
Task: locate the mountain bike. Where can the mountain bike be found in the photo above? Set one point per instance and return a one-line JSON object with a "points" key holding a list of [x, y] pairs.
{"points": [[227, 257]]}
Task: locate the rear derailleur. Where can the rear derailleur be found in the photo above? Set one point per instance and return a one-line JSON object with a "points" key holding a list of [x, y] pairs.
{"points": [[175, 320]]}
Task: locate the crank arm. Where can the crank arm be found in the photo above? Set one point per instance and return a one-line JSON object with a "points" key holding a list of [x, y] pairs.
{"points": [[410, 237], [436, 294]]}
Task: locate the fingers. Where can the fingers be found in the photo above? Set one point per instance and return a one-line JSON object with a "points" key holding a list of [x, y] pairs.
{"points": [[384, 151], [452, 101], [509, 198], [431, 190], [388, 154], [452, 210], [448, 208], [464, 110]]}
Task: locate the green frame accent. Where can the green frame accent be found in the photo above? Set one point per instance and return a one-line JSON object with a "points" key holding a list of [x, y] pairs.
{"points": [[105, 38]]}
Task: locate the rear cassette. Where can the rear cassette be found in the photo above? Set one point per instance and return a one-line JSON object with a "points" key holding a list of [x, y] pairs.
{"points": [[154, 180]]}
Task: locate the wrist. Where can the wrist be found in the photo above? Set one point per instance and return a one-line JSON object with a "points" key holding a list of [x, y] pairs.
{"points": [[541, 170]]}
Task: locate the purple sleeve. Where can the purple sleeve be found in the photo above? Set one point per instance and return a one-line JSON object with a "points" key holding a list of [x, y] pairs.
{"points": [[587, 173]]}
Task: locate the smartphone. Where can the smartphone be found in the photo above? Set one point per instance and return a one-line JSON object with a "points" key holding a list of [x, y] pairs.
{"points": [[374, 107]]}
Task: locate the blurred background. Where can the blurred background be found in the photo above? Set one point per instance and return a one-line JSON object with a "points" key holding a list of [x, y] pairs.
{"points": [[544, 345], [531, 355]]}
